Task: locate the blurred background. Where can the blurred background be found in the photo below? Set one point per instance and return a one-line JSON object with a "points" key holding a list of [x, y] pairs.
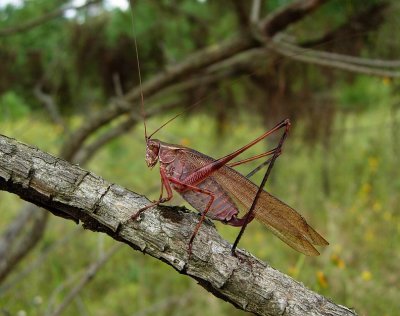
{"points": [[69, 85]]}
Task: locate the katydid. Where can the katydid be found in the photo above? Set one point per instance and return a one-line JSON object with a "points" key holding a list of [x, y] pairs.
{"points": [[218, 191]]}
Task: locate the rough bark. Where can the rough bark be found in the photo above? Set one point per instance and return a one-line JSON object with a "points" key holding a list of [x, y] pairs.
{"points": [[162, 232]]}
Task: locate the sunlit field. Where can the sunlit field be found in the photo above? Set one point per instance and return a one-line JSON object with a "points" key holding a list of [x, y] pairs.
{"points": [[346, 185]]}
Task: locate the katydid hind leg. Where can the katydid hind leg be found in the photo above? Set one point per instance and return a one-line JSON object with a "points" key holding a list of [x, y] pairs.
{"points": [[207, 170], [250, 214], [260, 166], [240, 162]]}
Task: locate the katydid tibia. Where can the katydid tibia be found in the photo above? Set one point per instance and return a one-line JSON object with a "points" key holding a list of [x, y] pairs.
{"points": [[218, 191]]}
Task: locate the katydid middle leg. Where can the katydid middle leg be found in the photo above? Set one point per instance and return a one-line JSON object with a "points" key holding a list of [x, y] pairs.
{"points": [[203, 214]]}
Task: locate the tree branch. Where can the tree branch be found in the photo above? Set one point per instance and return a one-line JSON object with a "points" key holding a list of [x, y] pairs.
{"points": [[363, 22], [373, 67], [162, 232], [85, 279], [49, 104], [280, 19], [85, 153], [33, 265], [255, 11], [27, 26], [20, 237], [241, 10]]}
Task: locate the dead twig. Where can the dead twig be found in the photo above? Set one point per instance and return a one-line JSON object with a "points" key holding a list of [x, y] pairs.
{"points": [[86, 278]]}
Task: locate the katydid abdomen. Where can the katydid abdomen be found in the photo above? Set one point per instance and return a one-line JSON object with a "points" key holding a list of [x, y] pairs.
{"points": [[223, 208]]}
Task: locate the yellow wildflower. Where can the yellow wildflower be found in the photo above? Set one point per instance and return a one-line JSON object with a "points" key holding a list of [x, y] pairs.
{"points": [[184, 142], [366, 275], [373, 163], [377, 207], [369, 235], [322, 280], [366, 189], [337, 261], [338, 248], [386, 81], [293, 271], [341, 264], [387, 216]]}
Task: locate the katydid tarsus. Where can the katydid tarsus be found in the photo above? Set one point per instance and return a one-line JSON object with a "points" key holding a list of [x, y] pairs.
{"points": [[219, 192]]}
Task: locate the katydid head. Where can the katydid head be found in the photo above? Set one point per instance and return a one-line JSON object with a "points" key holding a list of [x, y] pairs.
{"points": [[152, 150]]}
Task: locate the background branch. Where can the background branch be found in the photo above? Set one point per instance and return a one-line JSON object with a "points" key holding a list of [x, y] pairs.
{"points": [[39, 260], [27, 26], [24, 232], [338, 61], [49, 104], [85, 279], [195, 63]]}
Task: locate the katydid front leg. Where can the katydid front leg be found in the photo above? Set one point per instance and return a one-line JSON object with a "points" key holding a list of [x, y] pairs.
{"points": [[180, 186], [164, 183]]}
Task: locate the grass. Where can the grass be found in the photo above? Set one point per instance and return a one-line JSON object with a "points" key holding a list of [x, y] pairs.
{"points": [[348, 191]]}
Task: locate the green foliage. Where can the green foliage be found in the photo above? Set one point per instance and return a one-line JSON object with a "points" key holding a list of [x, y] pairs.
{"points": [[364, 93], [120, 24], [12, 107], [359, 216]]}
